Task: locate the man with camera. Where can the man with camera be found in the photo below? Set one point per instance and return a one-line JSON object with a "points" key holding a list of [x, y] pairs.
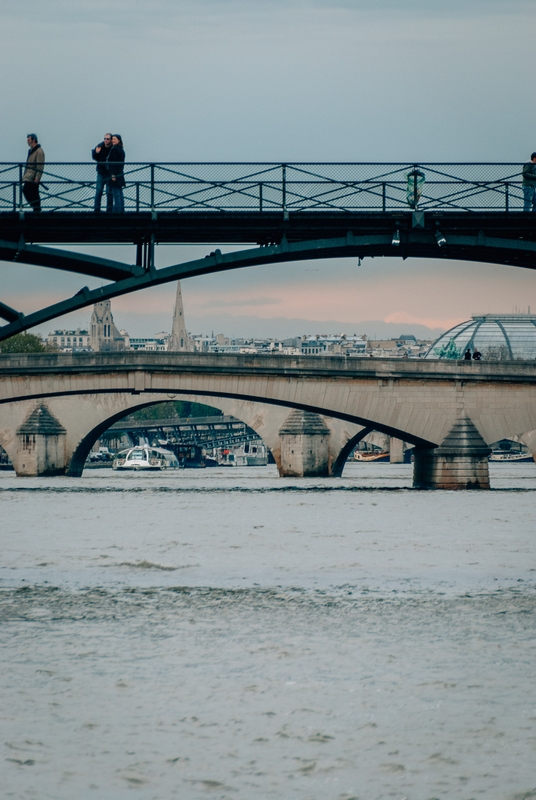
{"points": [[100, 155]]}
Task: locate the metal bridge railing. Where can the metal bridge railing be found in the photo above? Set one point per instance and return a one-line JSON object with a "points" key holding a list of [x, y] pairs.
{"points": [[277, 187]]}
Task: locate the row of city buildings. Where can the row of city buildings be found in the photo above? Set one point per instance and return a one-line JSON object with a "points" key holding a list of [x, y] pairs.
{"points": [[104, 336], [497, 337]]}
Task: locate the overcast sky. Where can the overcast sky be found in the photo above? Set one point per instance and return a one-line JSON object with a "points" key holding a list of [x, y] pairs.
{"points": [[242, 80]]}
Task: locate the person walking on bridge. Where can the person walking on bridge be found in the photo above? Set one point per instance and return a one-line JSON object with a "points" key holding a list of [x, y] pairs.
{"points": [[529, 184], [115, 162], [35, 164], [99, 154]]}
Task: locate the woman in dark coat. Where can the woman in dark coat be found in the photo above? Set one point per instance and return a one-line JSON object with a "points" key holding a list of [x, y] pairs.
{"points": [[116, 161]]}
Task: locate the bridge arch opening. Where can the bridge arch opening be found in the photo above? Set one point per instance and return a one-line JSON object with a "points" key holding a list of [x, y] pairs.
{"points": [[83, 449]]}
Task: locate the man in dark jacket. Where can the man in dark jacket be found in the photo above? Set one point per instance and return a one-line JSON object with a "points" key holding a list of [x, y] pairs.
{"points": [[529, 184], [100, 154], [35, 164]]}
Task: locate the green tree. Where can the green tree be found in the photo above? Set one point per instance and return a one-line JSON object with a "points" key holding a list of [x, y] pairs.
{"points": [[173, 410], [23, 343]]}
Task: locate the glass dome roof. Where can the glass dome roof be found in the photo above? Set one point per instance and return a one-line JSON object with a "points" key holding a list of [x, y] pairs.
{"points": [[499, 337]]}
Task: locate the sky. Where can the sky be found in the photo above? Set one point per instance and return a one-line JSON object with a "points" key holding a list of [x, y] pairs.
{"points": [[276, 80]]}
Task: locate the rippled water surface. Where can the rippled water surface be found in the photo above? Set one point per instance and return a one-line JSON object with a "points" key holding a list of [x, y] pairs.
{"points": [[227, 634]]}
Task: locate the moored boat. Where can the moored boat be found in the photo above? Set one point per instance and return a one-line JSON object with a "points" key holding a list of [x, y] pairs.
{"points": [[509, 458], [144, 457], [244, 455], [368, 455]]}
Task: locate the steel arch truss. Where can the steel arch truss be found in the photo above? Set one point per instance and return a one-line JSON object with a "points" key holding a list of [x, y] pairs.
{"points": [[130, 278]]}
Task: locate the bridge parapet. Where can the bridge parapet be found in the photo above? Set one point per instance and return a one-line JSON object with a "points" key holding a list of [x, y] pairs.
{"points": [[288, 187]]}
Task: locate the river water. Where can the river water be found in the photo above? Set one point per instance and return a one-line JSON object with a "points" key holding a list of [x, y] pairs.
{"points": [[221, 634]]}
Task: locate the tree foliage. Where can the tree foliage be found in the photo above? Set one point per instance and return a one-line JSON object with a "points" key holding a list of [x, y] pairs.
{"points": [[173, 410], [23, 343]]}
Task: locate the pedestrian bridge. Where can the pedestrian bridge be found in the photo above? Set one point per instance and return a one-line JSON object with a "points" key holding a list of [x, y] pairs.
{"points": [[290, 212], [449, 409]]}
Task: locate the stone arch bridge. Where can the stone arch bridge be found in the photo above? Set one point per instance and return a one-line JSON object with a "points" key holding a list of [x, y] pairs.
{"points": [[450, 411]]}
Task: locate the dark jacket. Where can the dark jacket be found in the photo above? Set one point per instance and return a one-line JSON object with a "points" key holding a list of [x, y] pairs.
{"points": [[529, 174], [115, 162], [100, 158]]}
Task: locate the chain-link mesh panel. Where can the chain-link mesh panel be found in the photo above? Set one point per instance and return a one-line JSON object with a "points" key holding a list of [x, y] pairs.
{"points": [[272, 187]]}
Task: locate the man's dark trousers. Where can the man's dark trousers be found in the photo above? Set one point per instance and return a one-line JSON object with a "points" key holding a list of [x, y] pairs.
{"points": [[30, 191]]}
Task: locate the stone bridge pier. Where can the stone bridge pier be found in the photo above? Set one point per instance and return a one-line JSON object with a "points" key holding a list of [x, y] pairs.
{"points": [[460, 461]]}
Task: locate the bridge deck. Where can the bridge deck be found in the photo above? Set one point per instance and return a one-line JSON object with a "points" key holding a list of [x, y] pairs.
{"points": [[252, 227]]}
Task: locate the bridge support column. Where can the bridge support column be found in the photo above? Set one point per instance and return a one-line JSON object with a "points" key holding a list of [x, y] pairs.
{"points": [[530, 440], [396, 450], [460, 462], [40, 445], [304, 446]]}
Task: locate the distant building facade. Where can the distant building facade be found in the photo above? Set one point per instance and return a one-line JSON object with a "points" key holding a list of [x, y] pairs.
{"points": [[406, 346], [154, 344], [327, 344], [69, 341]]}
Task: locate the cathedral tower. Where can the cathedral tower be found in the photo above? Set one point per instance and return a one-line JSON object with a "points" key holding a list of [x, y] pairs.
{"points": [[103, 334]]}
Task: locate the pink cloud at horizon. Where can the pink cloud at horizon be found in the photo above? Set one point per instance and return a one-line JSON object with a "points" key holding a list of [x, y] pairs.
{"points": [[429, 322], [437, 295]]}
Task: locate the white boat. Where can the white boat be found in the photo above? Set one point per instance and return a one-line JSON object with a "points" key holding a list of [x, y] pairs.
{"points": [[504, 456], [145, 457], [245, 455], [251, 455]]}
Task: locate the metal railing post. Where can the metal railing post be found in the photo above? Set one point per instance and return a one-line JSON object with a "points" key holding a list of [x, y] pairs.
{"points": [[260, 196], [507, 197], [20, 188], [137, 195], [150, 254], [14, 195], [415, 198], [152, 187], [284, 186], [383, 196]]}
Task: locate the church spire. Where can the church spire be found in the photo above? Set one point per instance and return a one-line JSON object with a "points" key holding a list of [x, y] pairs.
{"points": [[180, 340]]}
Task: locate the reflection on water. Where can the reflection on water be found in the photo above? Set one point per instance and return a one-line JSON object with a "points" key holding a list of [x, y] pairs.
{"points": [[227, 634]]}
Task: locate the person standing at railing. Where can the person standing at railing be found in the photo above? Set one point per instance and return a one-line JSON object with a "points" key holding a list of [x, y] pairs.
{"points": [[529, 184], [115, 162], [100, 154], [35, 164]]}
